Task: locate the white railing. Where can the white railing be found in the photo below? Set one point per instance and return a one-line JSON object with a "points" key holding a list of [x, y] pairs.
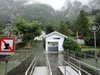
{"points": [[72, 59], [83, 63], [31, 67], [64, 67], [68, 64], [78, 67], [48, 66]]}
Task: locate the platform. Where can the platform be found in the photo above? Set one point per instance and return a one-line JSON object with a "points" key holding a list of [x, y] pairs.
{"points": [[40, 70], [69, 70]]}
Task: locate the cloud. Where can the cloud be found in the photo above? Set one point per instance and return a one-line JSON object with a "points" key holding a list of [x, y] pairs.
{"points": [[85, 2], [57, 4]]}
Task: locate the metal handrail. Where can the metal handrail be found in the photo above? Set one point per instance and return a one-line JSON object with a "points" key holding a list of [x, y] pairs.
{"points": [[78, 71], [80, 68], [81, 53], [65, 69], [48, 66], [74, 58], [83, 63], [31, 67]]}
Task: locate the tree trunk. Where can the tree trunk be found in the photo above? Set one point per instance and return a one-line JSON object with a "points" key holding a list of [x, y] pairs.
{"points": [[28, 46]]}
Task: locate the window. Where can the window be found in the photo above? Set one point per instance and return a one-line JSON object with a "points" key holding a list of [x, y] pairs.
{"points": [[56, 38]]}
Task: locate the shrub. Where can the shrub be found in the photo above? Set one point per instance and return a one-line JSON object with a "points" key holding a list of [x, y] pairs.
{"points": [[70, 44], [89, 41]]}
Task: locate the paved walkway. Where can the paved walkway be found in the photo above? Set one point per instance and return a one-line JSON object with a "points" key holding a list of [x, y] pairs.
{"points": [[40, 70], [40, 55], [54, 59]]}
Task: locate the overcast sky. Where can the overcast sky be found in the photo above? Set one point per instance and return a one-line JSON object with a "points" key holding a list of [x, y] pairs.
{"points": [[57, 4]]}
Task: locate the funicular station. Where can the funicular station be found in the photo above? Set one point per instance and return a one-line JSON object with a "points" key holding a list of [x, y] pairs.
{"points": [[57, 62]]}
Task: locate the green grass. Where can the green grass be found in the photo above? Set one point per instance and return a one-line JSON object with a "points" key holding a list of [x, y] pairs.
{"points": [[91, 19], [89, 48]]}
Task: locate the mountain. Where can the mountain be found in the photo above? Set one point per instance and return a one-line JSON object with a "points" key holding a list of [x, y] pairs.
{"points": [[37, 11], [94, 4], [11, 9], [7, 8], [72, 9]]}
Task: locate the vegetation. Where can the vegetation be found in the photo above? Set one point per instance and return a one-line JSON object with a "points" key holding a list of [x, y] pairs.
{"points": [[1, 31], [97, 18], [49, 28], [98, 33], [89, 40], [70, 44], [82, 24], [62, 28], [90, 49], [28, 30], [91, 18], [94, 11]]}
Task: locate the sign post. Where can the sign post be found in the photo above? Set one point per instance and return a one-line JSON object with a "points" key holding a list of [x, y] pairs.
{"points": [[94, 28], [7, 48], [6, 62]]}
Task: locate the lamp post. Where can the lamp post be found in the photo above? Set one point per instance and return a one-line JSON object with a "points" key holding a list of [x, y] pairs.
{"points": [[94, 28]]}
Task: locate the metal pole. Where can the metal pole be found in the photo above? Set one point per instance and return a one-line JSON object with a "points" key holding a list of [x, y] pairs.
{"points": [[95, 45], [94, 28], [65, 69], [6, 61], [13, 63], [96, 59]]}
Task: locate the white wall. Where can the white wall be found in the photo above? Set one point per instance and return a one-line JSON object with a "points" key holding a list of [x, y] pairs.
{"points": [[80, 41], [51, 39]]}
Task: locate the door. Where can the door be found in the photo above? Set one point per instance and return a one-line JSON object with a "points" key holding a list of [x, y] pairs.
{"points": [[52, 46]]}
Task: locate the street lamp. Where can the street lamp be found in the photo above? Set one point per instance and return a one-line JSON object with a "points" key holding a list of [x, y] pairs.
{"points": [[94, 28]]}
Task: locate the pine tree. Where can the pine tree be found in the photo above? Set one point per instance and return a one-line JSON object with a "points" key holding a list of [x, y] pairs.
{"points": [[98, 18], [82, 24], [62, 28]]}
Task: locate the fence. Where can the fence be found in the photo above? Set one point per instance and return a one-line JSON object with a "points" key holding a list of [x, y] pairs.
{"points": [[64, 64], [78, 55], [30, 69], [85, 57], [81, 61], [81, 65]]}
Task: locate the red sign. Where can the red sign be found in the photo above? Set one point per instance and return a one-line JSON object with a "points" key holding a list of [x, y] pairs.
{"points": [[7, 46]]}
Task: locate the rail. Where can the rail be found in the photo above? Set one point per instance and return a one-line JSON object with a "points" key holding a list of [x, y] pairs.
{"points": [[74, 59], [48, 66], [31, 67], [64, 67], [83, 54], [79, 67], [83, 63]]}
